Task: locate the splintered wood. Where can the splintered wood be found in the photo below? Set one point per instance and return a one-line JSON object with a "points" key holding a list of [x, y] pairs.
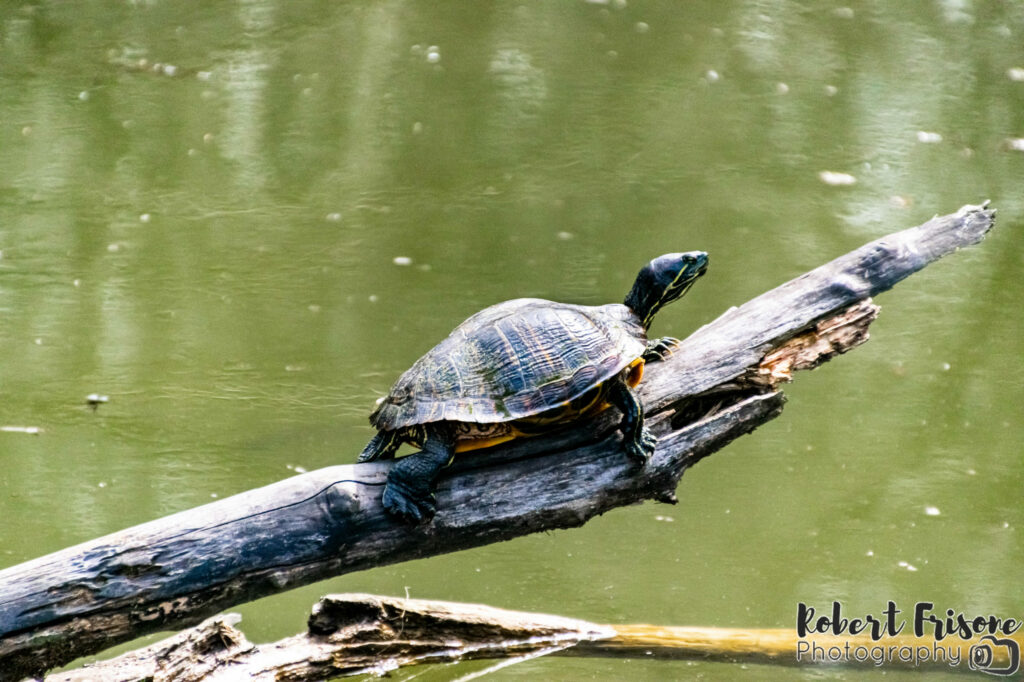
{"points": [[827, 339], [192, 655]]}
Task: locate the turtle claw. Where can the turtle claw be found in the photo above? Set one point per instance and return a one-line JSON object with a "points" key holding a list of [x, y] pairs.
{"points": [[659, 349], [642, 447], [403, 503]]}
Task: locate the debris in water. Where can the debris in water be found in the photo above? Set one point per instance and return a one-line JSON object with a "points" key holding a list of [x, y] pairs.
{"points": [[928, 138], [94, 400], [1015, 144], [837, 179], [402, 260], [932, 511], [34, 430]]}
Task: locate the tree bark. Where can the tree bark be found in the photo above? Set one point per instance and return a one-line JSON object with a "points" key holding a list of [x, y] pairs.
{"points": [[720, 384]]}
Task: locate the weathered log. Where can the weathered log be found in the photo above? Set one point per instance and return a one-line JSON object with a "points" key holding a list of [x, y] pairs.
{"points": [[176, 571], [191, 655], [360, 634], [352, 634]]}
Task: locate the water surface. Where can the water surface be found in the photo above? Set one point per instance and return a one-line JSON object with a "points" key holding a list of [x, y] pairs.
{"points": [[242, 221]]}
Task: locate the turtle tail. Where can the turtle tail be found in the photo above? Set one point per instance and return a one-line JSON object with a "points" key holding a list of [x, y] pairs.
{"points": [[382, 446]]}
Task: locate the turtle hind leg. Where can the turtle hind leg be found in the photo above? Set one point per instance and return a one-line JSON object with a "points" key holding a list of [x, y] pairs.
{"points": [[659, 349], [409, 493], [638, 439], [382, 446]]}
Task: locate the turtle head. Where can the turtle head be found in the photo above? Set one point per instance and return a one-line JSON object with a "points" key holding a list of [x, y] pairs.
{"points": [[663, 280]]}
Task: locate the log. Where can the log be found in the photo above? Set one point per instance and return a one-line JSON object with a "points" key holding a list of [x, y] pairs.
{"points": [[362, 634], [351, 634], [721, 383]]}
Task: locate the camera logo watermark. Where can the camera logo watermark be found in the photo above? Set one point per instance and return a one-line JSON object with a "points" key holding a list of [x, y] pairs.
{"points": [[983, 656], [983, 643]]}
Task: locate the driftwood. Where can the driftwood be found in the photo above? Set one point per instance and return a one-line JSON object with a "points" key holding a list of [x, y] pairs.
{"points": [[360, 634], [178, 570]]}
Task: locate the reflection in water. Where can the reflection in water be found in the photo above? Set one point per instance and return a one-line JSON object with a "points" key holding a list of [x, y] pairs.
{"points": [[243, 134]]}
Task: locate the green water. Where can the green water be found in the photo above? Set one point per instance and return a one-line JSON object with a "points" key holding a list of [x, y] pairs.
{"points": [[211, 242]]}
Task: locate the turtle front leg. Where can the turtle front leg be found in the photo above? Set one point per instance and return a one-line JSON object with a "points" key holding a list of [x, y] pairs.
{"points": [[638, 439], [659, 349], [409, 493]]}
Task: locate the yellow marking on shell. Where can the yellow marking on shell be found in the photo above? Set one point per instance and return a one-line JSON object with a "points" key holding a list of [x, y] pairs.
{"points": [[636, 373], [467, 445]]}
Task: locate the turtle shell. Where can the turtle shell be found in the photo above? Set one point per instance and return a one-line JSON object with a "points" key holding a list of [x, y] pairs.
{"points": [[514, 360]]}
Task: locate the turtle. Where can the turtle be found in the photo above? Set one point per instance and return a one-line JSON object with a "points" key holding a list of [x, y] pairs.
{"points": [[522, 368]]}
